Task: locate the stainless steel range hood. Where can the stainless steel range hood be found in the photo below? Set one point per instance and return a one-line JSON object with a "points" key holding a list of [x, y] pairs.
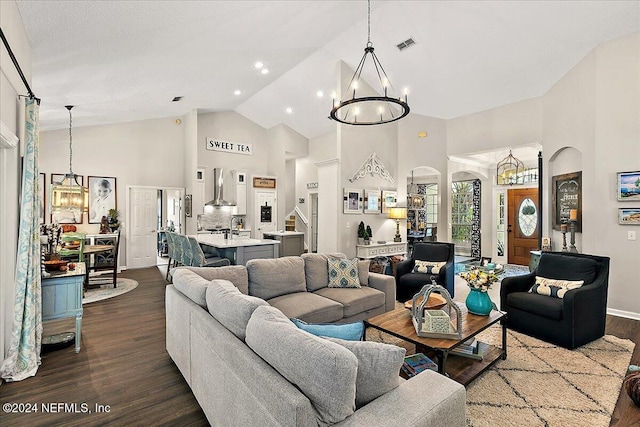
{"points": [[218, 200]]}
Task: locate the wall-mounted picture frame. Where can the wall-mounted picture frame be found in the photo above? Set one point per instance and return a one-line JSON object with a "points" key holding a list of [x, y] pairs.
{"points": [[351, 201], [372, 202], [42, 195], [389, 200], [566, 196], [629, 216], [103, 195], [188, 205], [629, 186], [74, 216], [200, 175]]}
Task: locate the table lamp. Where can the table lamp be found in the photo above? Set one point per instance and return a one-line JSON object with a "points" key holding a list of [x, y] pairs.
{"points": [[397, 214]]}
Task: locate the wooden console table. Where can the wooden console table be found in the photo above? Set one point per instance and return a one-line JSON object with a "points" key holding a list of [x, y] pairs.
{"points": [[381, 249], [62, 297]]}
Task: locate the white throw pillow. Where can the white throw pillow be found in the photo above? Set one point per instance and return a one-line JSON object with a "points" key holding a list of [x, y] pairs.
{"points": [[554, 287]]}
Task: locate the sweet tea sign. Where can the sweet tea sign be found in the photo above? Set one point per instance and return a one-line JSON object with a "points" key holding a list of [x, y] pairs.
{"points": [[214, 144]]}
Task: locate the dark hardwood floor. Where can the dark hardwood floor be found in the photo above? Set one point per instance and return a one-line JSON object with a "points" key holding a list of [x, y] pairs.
{"points": [[123, 364]]}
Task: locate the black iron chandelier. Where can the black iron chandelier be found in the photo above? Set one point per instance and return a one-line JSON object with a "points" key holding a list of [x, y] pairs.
{"points": [[509, 171], [369, 110]]}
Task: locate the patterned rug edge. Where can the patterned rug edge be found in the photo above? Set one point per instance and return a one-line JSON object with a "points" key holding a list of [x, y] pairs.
{"points": [[107, 291]]}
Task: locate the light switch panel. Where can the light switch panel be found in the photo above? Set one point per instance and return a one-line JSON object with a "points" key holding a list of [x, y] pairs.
{"points": [[631, 235]]}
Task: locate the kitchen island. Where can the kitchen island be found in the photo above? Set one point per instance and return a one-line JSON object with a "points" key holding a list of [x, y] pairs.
{"points": [[240, 250]]}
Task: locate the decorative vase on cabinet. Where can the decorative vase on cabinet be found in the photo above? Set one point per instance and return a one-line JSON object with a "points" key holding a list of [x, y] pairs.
{"points": [[478, 302]]}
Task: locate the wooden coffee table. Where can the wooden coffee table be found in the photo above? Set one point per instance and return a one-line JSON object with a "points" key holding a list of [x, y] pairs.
{"points": [[461, 369]]}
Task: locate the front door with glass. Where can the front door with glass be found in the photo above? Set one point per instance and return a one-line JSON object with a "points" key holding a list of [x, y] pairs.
{"points": [[522, 225]]}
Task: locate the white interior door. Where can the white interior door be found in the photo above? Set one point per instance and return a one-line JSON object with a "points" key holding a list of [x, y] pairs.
{"points": [[266, 213], [143, 218]]}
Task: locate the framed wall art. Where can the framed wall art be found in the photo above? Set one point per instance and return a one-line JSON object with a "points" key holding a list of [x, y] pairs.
{"points": [[629, 186], [351, 201], [372, 202], [389, 200], [73, 216], [42, 196], [567, 196], [102, 197], [188, 205], [629, 216]]}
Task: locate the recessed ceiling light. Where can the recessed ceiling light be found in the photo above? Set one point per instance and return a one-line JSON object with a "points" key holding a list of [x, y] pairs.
{"points": [[265, 71], [237, 92], [320, 94], [289, 110], [258, 65], [422, 134]]}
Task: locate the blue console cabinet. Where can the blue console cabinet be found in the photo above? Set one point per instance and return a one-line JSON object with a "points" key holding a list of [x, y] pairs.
{"points": [[62, 297]]}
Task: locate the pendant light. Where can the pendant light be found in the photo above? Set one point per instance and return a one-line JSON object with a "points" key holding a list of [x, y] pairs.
{"points": [[415, 200], [509, 171], [354, 109], [68, 194]]}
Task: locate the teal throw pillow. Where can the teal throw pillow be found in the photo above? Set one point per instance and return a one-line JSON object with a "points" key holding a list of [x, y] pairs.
{"points": [[343, 331], [343, 273]]}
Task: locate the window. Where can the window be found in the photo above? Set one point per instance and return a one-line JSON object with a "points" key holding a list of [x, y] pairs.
{"points": [[431, 203], [461, 216], [500, 236]]}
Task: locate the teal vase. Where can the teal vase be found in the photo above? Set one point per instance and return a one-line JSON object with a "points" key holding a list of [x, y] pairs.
{"points": [[478, 302]]}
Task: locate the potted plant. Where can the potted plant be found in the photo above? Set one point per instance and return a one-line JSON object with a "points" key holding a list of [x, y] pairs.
{"points": [[367, 239], [361, 233], [114, 224], [369, 234]]}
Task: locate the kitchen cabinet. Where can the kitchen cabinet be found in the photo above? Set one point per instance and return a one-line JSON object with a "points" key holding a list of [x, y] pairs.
{"points": [[239, 191], [291, 242]]}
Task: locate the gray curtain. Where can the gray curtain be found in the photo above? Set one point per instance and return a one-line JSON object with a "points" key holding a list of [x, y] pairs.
{"points": [[23, 358]]}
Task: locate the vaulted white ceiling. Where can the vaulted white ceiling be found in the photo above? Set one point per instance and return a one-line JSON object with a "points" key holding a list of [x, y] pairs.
{"points": [[121, 61]]}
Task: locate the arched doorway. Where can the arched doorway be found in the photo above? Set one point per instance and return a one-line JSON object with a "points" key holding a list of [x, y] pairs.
{"points": [[423, 204]]}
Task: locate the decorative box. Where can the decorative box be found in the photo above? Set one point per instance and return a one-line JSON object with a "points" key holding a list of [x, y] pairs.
{"points": [[436, 321]]}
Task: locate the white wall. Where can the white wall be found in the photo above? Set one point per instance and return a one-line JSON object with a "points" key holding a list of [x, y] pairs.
{"points": [[285, 143], [233, 127], [147, 153], [357, 143], [11, 116], [431, 151], [595, 108], [196, 189]]}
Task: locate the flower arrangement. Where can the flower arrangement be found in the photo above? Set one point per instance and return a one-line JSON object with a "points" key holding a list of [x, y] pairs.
{"points": [[479, 279], [52, 233]]}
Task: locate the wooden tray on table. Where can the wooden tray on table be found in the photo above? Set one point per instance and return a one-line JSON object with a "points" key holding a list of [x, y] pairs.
{"points": [[435, 302]]}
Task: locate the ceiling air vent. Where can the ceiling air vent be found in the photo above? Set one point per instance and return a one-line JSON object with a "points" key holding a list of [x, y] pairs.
{"points": [[176, 99], [405, 44]]}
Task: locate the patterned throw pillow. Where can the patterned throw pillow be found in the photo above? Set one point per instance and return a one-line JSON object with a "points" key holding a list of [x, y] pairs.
{"points": [[554, 287], [428, 267], [343, 273]]}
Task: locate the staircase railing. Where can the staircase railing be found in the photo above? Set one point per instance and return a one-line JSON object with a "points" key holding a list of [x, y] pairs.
{"points": [[297, 213]]}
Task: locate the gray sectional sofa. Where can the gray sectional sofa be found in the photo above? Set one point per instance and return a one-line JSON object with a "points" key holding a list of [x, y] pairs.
{"points": [[247, 364]]}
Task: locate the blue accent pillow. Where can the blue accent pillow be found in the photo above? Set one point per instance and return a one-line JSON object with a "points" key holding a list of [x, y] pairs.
{"points": [[343, 331]]}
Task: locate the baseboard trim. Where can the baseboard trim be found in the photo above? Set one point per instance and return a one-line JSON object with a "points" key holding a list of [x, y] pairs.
{"points": [[622, 313]]}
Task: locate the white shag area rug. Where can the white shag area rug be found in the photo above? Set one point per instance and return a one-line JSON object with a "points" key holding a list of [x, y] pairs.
{"points": [[543, 385], [108, 291]]}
